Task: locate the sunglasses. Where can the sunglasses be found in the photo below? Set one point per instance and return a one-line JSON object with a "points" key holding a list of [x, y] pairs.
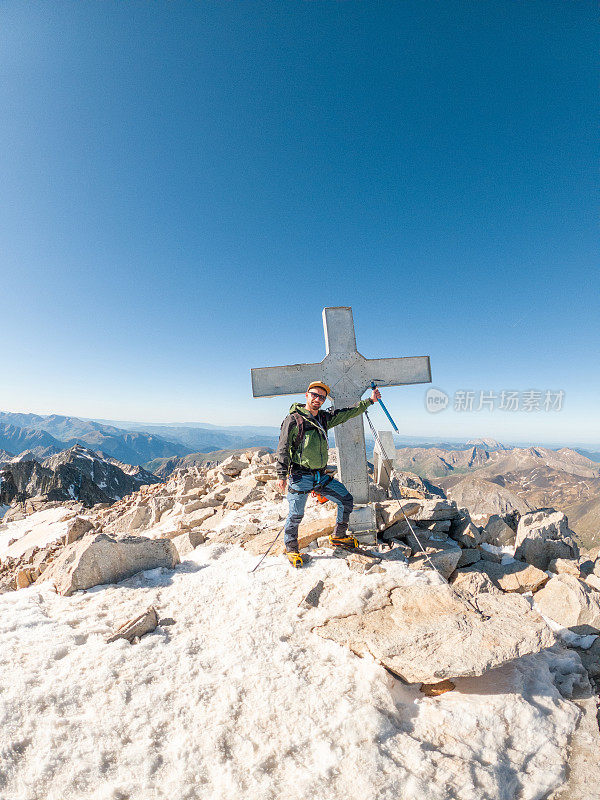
{"points": [[316, 395]]}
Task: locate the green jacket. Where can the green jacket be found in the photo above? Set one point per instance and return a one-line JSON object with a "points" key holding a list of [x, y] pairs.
{"points": [[311, 452]]}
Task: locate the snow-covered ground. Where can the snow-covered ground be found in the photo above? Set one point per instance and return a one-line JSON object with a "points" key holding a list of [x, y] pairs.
{"points": [[35, 530], [239, 699]]}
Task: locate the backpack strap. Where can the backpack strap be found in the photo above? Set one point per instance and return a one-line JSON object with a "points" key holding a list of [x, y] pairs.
{"points": [[299, 420]]}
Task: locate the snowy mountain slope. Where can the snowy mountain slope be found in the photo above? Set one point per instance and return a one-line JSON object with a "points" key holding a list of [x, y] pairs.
{"points": [[74, 474], [238, 698]]}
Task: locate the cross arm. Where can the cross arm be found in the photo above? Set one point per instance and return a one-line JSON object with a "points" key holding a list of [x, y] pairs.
{"points": [[398, 371], [293, 379]]}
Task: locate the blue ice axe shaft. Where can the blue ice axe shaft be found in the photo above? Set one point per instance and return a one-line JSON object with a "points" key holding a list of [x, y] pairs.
{"points": [[387, 413]]}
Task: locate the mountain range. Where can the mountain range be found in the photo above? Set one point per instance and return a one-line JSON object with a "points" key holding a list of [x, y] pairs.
{"points": [[42, 436], [74, 474], [502, 480]]}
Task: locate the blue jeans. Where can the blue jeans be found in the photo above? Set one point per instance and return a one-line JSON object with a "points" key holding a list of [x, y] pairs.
{"points": [[298, 490]]}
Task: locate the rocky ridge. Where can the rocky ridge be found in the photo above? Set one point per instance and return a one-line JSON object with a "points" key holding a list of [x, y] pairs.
{"points": [[77, 474]]}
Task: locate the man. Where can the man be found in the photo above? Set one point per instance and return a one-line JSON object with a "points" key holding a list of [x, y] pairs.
{"points": [[301, 460]]}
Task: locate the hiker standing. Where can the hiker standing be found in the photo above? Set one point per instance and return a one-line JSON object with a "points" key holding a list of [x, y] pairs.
{"points": [[301, 460]]}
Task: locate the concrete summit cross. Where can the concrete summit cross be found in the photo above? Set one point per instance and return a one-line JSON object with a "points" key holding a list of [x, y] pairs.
{"points": [[349, 375]]}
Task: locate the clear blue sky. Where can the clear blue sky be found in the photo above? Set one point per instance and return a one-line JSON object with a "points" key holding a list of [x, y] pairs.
{"points": [[185, 185]]}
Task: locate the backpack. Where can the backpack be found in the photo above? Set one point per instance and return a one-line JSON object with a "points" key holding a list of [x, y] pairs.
{"points": [[299, 420]]}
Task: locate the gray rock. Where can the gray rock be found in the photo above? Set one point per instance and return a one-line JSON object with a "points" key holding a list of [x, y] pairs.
{"points": [[491, 556], [469, 555], [543, 536], [312, 598], [428, 634], [437, 526], [391, 511], [570, 602], [468, 535], [497, 532], [443, 555], [590, 659], [399, 530], [399, 552], [436, 509], [99, 559]]}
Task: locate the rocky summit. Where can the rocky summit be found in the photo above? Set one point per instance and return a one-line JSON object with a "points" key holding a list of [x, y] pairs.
{"points": [[444, 651]]}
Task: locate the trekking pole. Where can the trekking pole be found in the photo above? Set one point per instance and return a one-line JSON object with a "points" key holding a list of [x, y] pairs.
{"points": [[266, 553], [387, 413]]}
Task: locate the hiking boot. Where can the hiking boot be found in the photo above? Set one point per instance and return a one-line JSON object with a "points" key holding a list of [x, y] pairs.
{"points": [[343, 541], [295, 559]]}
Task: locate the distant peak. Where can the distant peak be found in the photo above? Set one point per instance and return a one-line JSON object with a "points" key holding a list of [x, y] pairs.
{"points": [[492, 444]]}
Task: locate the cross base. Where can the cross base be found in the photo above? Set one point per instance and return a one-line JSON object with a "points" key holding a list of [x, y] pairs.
{"points": [[362, 524]]}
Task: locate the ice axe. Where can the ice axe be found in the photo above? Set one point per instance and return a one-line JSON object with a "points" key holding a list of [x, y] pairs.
{"points": [[387, 413]]}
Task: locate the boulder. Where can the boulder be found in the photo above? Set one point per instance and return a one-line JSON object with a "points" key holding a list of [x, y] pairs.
{"points": [[564, 565], [517, 576], [197, 517], [488, 553], [185, 543], [571, 603], [232, 466], [497, 532], [244, 491], [99, 559], [436, 509], [399, 552], [23, 578], [76, 528], [469, 555], [469, 583], [437, 526], [443, 555], [138, 518], [543, 536], [590, 658], [398, 530], [308, 532], [468, 535], [390, 511], [593, 580], [428, 633]]}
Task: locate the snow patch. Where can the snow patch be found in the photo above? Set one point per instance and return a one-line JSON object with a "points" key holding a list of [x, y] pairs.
{"points": [[239, 699], [35, 530]]}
